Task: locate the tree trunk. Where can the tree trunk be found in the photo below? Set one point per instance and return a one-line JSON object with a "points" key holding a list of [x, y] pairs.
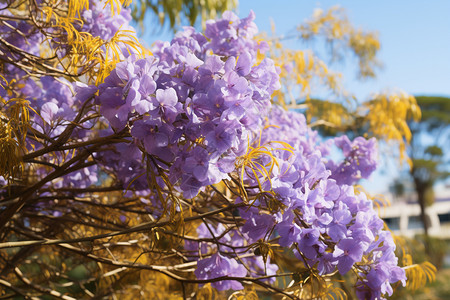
{"points": [[423, 217], [421, 190]]}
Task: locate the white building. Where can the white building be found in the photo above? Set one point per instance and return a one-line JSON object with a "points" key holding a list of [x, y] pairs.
{"points": [[404, 218]]}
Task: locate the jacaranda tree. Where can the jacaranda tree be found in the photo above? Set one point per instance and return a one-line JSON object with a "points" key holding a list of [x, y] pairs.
{"points": [[171, 172]]}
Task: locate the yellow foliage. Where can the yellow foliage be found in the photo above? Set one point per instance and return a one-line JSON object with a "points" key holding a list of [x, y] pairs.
{"points": [[384, 117], [334, 115], [14, 123], [140, 284], [419, 274], [158, 286], [83, 53], [335, 293], [207, 292], [251, 160], [248, 293], [116, 5], [95, 55], [301, 71], [340, 35], [387, 115], [174, 11], [10, 158], [113, 53], [314, 286], [76, 6]]}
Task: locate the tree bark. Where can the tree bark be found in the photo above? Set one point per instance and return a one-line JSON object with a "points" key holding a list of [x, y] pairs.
{"points": [[421, 190]]}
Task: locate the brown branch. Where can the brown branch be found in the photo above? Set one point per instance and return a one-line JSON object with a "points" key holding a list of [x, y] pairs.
{"points": [[39, 288], [63, 137], [7, 214], [167, 270], [142, 227], [9, 285]]}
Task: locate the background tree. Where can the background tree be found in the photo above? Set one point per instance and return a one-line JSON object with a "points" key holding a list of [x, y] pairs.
{"points": [[428, 150], [175, 12], [397, 189]]}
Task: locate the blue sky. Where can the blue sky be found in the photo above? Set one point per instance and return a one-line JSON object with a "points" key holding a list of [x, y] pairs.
{"points": [[415, 47], [414, 35]]}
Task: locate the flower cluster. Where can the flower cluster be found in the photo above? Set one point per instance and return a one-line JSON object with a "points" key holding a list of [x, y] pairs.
{"points": [[197, 113], [197, 106], [322, 219], [196, 103], [220, 266], [360, 159], [99, 22], [227, 241]]}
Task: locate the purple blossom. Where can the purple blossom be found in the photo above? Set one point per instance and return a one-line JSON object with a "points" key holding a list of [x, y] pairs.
{"points": [[360, 159], [195, 107], [257, 226], [258, 267], [49, 111], [327, 263], [220, 266], [309, 243], [348, 252], [337, 229], [289, 233], [166, 101]]}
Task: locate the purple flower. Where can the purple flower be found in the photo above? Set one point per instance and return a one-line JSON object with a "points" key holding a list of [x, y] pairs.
{"points": [[165, 103], [210, 232], [155, 138], [337, 229], [327, 263], [378, 278], [259, 268], [223, 137], [244, 64], [309, 243], [347, 252], [360, 159], [289, 233], [113, 106], [190, 186], [235, 84], [49, 111], [220, 266], [257, 226]]}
